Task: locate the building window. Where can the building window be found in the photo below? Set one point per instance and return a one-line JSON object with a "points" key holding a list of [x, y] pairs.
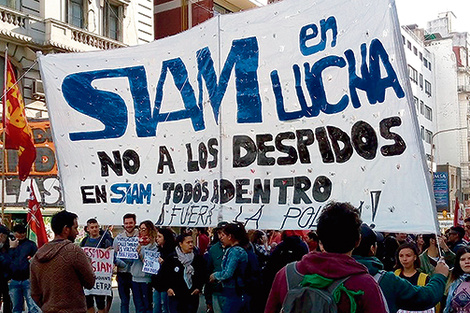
{"points": [[404, 40], [415, 51], [429, 66], [75, 13], [425, 61], [8, 3], [218, 9], [421, 81], [112, 21], [428, 136], [421, 107], [413, 74], [428, 112], [420, 56], [422, 132], [415, 102], [427, 87]]}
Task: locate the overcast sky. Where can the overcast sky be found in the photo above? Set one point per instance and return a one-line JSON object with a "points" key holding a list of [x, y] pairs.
{"points": [[421, 11]]}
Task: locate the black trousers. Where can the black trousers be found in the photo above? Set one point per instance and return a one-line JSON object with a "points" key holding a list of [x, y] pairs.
{"points": [[5, 296]]}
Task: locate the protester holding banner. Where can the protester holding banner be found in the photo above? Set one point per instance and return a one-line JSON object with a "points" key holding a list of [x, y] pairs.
{"points": [[124, 259], [166, 247], [141, 280], [431, 255], [184, 275], [457, 298], [95, 240]]}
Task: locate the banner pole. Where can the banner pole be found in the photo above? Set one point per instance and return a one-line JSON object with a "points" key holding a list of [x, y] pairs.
{"points": [[3, 133]]}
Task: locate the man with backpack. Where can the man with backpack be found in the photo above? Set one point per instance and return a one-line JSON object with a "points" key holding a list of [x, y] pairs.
{"points": [[400, 293], [333, 275]]}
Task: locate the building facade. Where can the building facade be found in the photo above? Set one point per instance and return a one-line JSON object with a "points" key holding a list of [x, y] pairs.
{"points": [[452, 94], [28, 27], [175, 16], [421, 72]]}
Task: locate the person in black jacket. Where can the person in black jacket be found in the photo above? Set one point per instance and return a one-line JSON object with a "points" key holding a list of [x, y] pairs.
{"points": [[290, 249], [166, 247], [21, 251], [184, 274], [5, 261]]}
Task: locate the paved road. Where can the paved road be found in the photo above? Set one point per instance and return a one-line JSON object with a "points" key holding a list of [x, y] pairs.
{"points": [[115, 307]]}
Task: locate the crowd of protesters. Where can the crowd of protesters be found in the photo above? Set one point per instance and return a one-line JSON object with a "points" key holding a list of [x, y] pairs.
{"points": [[238, 270]]}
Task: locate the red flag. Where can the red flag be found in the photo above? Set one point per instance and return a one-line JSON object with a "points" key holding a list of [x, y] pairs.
{"points": [[18, 134], [35, 220], [458, 214]]}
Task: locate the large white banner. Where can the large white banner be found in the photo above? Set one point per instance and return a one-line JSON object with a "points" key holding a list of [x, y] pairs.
{"points": [[260, 117]]}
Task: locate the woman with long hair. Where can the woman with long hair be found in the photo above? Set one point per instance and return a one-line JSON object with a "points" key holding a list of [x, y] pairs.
{"points": [[233, 237], [260, 243], [141, 281], [183, 275], [457, 298], [166, 246]]}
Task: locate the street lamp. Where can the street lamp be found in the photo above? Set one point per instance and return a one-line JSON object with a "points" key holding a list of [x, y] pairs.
{"points": [[432, 142]]}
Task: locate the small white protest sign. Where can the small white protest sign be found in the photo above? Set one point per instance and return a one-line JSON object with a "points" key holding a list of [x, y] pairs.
{"points": [[102, 263], [151, 264], [127, 247]]}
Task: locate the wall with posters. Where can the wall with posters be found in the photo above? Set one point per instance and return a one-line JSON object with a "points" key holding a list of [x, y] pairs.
{"points": [[43, 172]]}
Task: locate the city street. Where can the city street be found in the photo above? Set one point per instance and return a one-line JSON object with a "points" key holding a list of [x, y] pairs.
{"points": [[115, 307]]}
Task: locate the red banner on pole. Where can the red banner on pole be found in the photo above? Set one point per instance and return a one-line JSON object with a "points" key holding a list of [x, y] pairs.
{"points": [[458, 214], [18, 134], [35, 220]]}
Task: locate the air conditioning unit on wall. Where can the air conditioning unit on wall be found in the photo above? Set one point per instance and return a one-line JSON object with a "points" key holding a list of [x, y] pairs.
{"points": [[38, 90]]}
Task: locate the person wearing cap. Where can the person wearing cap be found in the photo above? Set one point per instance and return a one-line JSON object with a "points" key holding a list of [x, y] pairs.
{"points": [[5, 261], [398, 292]]}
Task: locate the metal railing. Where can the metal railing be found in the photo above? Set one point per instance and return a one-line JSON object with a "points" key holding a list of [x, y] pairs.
{"points": [[46, 32]]}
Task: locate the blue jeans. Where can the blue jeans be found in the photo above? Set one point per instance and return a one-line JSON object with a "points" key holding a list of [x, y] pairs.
{"points": [[217, 302], [142, 295], [160, 302], [234, 302], [124, 281], [20, 290]]}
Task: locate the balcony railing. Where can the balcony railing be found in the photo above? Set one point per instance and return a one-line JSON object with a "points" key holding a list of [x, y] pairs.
{"points": [[13, 18], [68, 37], [463, 88], [51, 32]]}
